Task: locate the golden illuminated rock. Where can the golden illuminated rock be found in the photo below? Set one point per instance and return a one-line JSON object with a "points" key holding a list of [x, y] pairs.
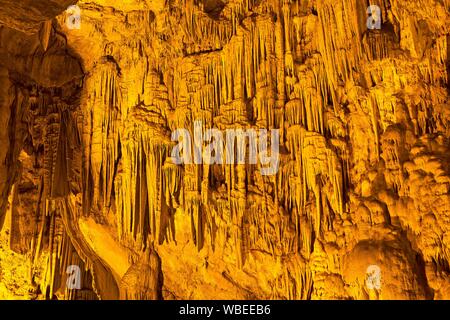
{"points": [[94, 206]]}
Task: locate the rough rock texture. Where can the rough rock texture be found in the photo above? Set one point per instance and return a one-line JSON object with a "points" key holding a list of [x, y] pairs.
{"points": [[364, 162], [29, 15]]}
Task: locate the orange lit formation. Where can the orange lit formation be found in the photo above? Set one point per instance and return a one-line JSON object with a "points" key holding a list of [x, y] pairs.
{"points": [[94, 206]]}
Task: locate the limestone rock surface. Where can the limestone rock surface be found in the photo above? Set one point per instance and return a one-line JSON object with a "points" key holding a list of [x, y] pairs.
{"points": [[359, 207]]}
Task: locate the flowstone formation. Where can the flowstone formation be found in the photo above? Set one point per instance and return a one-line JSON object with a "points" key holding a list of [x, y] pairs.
{"points": [[93, 205]]}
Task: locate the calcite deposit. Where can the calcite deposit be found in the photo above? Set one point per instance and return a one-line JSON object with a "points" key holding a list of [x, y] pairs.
{"points": [[94, 206]]}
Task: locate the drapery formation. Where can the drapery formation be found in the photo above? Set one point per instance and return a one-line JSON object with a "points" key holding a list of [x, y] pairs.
{"points": [[363, 116]]}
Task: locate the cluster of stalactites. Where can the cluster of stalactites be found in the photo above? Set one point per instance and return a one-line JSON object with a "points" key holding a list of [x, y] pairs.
{"points": [[294, 283], [53, 126], [147, 185], [238, 72], [339, 44], [252, 67], [205, 33], [141, 190], [314, 167], [53, 244], [101, 134]]}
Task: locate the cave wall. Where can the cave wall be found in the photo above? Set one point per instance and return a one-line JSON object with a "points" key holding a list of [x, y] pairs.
{"points": [[87, 175]]}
